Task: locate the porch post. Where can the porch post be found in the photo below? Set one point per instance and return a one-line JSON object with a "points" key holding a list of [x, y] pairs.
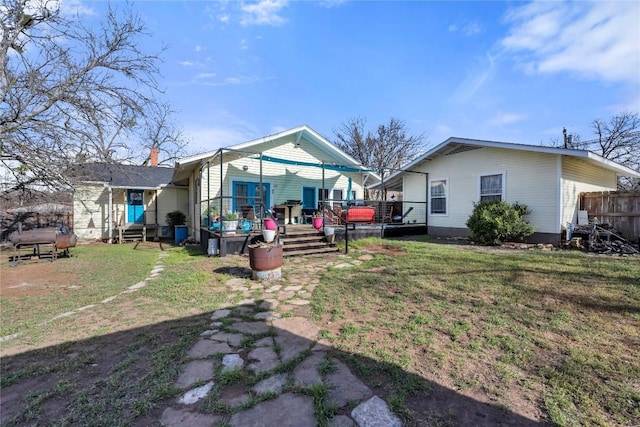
{"points": [[221, 189], [263, 208], [110, 216]]}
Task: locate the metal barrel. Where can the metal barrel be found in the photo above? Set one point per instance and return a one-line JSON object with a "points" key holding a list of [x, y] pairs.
{"points": [[35, 237], [64, 241]]}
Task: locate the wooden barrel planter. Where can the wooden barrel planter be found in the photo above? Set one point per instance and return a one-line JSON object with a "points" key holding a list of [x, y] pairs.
{"points": [[265, 261]]}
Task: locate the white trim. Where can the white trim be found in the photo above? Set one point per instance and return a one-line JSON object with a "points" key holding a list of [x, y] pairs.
{"points": [[441, 149], [126, 203], [504, 183], [446, 195]]}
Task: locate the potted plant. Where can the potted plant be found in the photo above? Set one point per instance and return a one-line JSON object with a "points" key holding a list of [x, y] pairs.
{"points": [[214, 219], [317, 220], [230, 223]]}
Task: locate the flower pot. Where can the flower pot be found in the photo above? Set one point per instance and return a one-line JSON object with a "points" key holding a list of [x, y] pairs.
{"points": [[265, 258], [270, 224], [317, 222], [229, 227], [246, 226], [268, 235], [329, 231]]}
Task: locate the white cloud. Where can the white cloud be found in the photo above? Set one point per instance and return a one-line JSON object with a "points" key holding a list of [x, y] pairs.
{"points": [[476, 77], [470, 29], [264, 12], [217, 129], [205, 75], [198, 48], [501, 119], [187, 63], [598, 40]]}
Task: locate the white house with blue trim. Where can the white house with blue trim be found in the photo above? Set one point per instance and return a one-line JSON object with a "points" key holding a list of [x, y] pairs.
{"points": [[296, 165]]}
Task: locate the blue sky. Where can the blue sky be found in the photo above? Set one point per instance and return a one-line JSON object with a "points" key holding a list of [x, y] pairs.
{"points": [[506, 71]]}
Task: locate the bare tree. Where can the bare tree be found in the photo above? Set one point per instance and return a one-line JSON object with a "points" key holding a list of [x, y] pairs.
{"points": [[384, 151], [617, 139], [71, 91]]}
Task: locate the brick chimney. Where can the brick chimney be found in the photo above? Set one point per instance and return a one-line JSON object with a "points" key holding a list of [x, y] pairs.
{"points": [[153, 157]]}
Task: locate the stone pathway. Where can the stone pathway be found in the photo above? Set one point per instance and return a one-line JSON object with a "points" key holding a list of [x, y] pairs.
{"points": [[261, 363]]}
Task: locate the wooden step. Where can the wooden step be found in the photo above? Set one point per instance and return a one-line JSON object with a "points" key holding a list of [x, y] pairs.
{"points": [[325, 250]]}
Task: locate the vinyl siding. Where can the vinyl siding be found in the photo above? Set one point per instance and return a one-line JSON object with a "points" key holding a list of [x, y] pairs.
{"points": [[529, 178], [90, 202], [285, 181], [578, 176]]}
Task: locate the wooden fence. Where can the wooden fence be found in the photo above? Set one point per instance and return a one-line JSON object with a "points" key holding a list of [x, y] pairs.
{"points": [[13, 221], [619, 209]]}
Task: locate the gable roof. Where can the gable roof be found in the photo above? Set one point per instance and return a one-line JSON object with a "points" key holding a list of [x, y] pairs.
{"points": [[185, 165], [125, 176], [455, 144]]}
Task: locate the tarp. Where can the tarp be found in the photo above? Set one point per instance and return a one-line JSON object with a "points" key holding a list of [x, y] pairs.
{"points": [[327, 166]]}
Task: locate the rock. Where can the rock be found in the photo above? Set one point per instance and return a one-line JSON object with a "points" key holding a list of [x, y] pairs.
{"points": [[205, 348], [341, 421], [192, 396], [375, 413], [287, 410], [219, 314], [306, 373], [265, 359], [272, 384], [195, 371], [182, 418], [253, 328], [231, 339], [231, 362], [344, 387]]}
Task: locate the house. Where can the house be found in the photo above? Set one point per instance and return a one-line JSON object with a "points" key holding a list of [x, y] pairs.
{"points": [[291, 171], [112, 200], [449, 178]]}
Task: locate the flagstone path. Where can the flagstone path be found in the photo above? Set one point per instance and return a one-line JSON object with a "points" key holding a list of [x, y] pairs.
{"points": [[272, 366]]}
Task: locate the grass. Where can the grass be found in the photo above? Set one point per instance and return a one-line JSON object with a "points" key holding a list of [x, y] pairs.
{"points": [[553, 335], [558, 329]]}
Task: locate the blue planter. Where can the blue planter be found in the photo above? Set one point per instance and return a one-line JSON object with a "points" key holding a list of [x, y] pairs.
{"points": [[181, 233]]}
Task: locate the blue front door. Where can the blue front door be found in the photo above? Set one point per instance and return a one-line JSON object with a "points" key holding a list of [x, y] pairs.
{"points": [[309, 198], [251, 194], [135, 206]]}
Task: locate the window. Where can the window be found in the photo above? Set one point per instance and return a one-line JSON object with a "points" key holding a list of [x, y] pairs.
{"points": [[438, 197], [491, 187]]}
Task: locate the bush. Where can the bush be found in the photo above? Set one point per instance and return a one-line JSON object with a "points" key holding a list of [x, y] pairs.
{"points": [[492, 223], [176, 218]]}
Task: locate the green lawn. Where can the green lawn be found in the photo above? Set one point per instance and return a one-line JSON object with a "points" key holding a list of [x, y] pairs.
{"points": [[550, 335], [558, 331]]}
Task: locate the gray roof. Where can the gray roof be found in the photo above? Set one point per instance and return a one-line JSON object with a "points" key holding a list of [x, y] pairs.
{"points": [[125, 176]]}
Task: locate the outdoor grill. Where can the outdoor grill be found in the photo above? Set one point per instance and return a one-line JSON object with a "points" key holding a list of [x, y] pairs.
{"points": [[39, 237]]}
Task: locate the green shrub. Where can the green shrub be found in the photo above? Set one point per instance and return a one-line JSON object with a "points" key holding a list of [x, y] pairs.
{"points": [[176, 218], [492, 223]]}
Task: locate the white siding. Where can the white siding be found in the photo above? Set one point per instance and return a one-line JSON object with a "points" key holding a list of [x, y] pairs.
{"points": [[578, 176], [90, 204], [285, 181], [529, 178]]}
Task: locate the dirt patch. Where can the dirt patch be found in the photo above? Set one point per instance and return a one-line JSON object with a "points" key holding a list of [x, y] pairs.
{"points": [[34, 278], [383, 249]]}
